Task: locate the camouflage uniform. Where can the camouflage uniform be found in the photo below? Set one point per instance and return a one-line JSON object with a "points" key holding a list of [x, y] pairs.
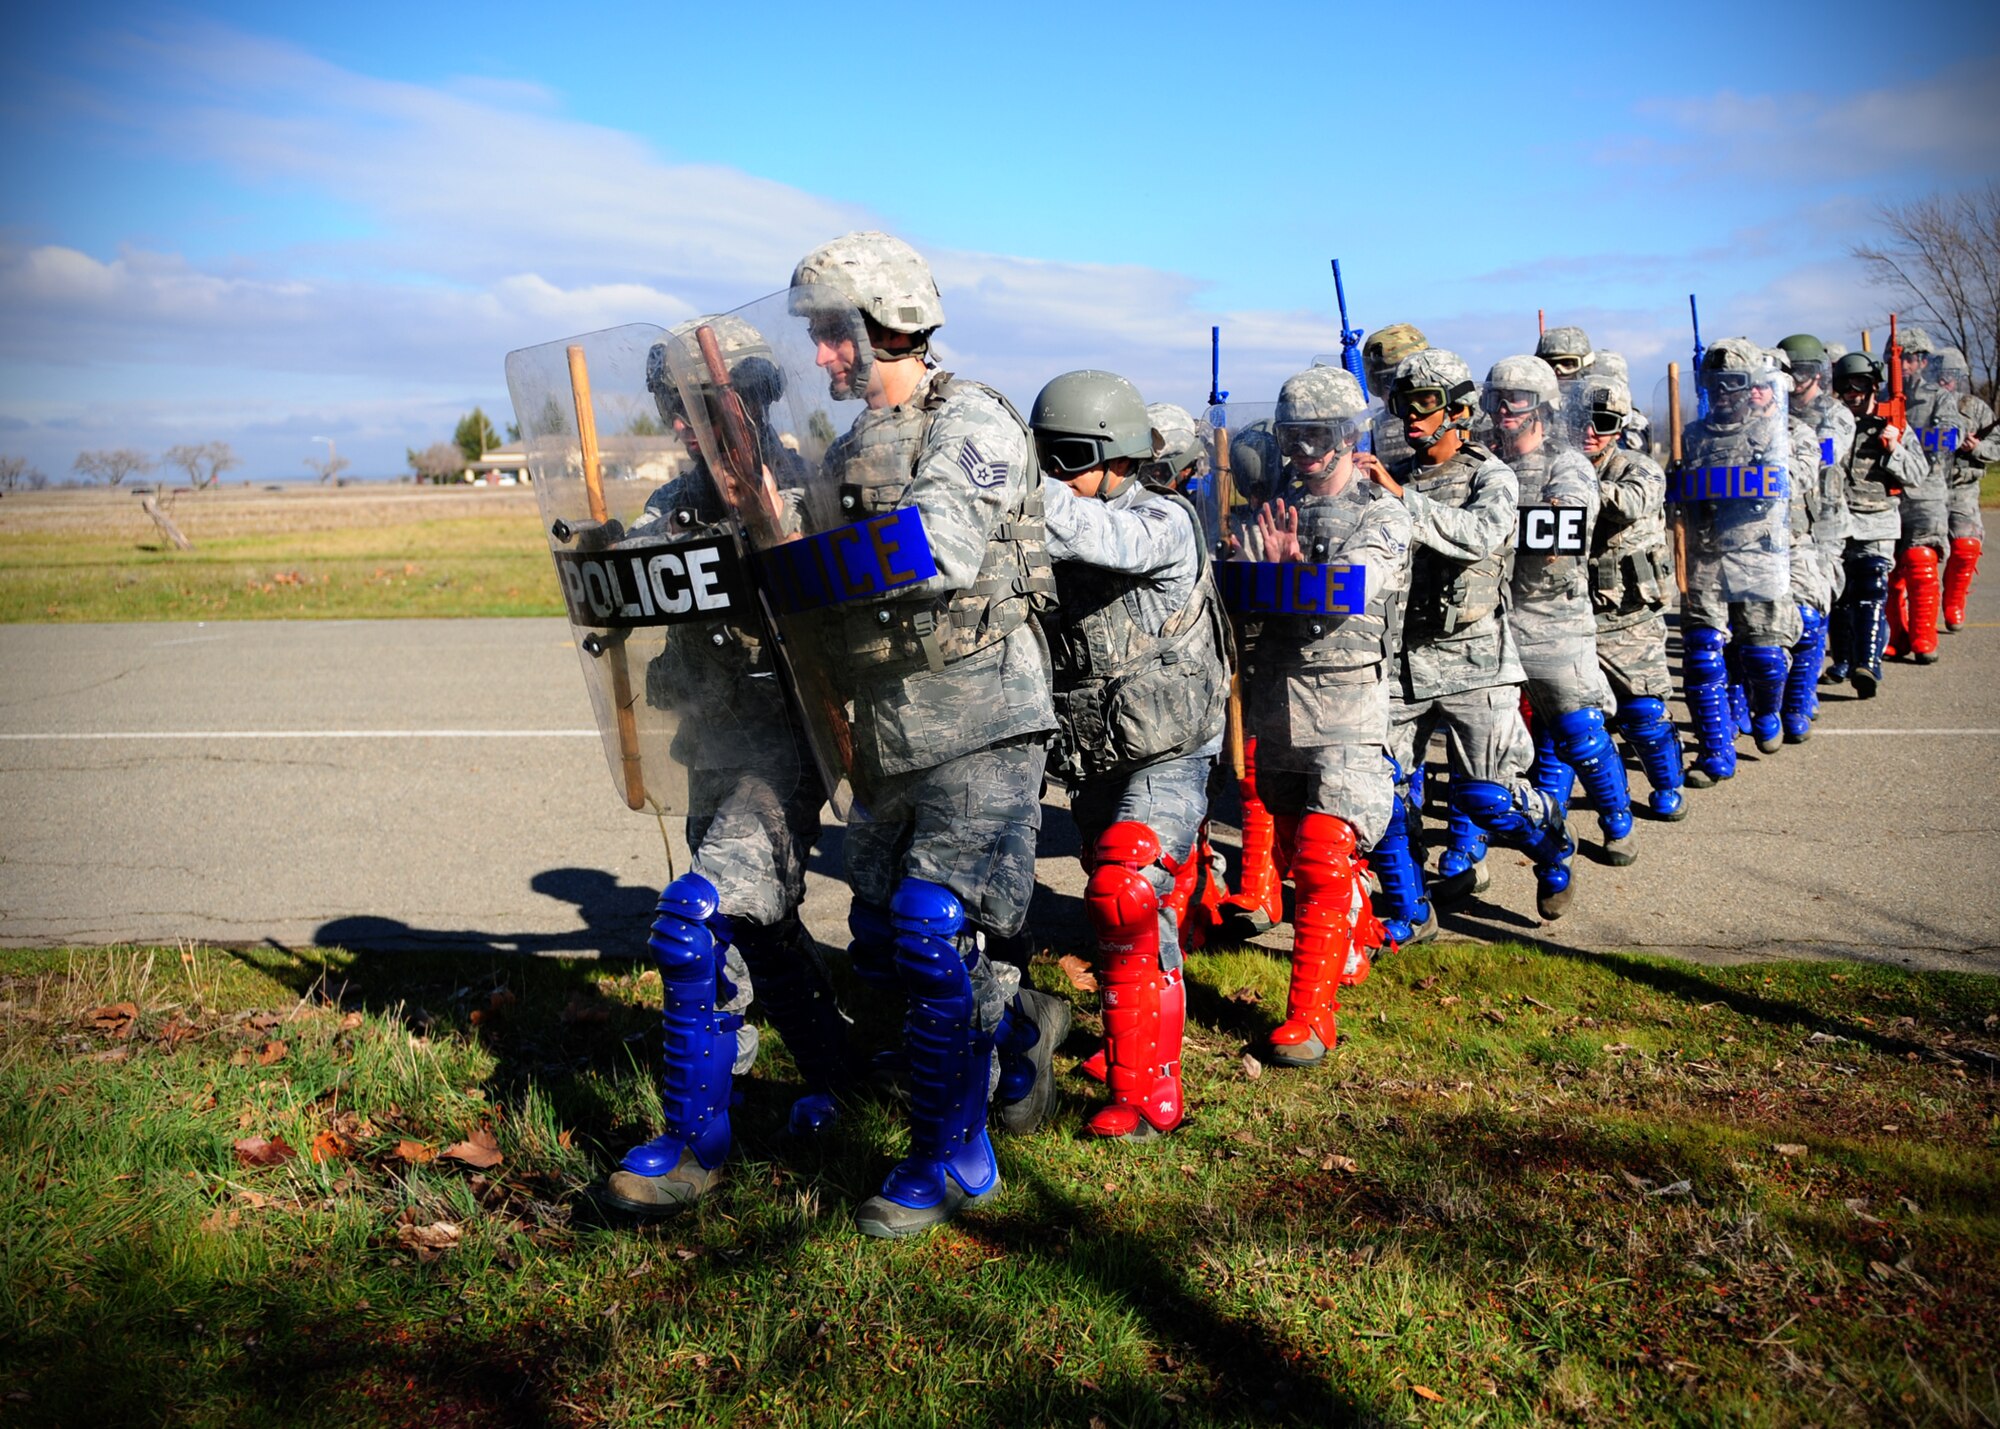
{"points": [[1978, 444], [1870, 470]]}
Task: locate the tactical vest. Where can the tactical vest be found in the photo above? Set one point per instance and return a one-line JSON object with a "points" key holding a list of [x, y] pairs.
{"points": [[1806, 499], [876, 462], [1360, 643], [1447, 595], [1631, 567], [1542, 574], [1125, 696], [1871, 485]]}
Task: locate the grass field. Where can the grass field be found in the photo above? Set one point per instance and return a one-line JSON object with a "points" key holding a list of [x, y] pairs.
{"points": [[268, 554], [1530, 1187]]}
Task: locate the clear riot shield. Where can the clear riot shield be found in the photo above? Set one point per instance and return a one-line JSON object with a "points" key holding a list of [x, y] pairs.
{"points": [[1274, 555], [653, 576], [1933, 412], [820, 548], [1536, 426], [1733, 485]]}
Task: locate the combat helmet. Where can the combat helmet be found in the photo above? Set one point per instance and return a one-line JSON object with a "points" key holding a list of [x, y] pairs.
{"points": [[1181, 449], [753, 372], [1320, 411], [1434, 380], [1566, 350], [1088, 418], [861, 283], [1384, 348]]}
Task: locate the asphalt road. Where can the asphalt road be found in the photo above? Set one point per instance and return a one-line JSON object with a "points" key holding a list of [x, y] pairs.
{"points": [[397, 784]]}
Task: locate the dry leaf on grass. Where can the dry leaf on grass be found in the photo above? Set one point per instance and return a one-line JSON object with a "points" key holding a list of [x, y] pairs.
{"points": [[115, 1054], [273, 1051], [479, 1149], [351, 1021], [1425, 984], [1788, 1148], [330, 1145], [1078, 972], [263, 1151], [118, 1019], [586, 1007], [1424, 1391], [1346, 1165], [1252, 1068], [414, 1152], [1249, 996]]}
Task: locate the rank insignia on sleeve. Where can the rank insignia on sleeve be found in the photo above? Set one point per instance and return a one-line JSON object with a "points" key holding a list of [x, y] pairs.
{"points": [[979, 471]]}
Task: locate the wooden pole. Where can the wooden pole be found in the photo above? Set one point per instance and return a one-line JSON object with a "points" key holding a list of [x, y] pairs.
{"points": [[621, 674], [1676, 449]]}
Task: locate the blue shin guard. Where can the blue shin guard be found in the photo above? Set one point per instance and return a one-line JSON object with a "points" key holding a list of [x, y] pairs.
{"points": [[1587, 748], [793, 990], [1867, 590], [1550, 772], [1764, 668], [1705, 682], [1402, 906], [1529, 820], [699, 1049], [1802, 680], [1465, 846], [1652, 735], [1839, 640], [949, 1056]]}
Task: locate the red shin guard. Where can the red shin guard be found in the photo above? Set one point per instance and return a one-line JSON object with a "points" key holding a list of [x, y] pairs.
{"points": [[1261, 888], [1925, 595], [1145, 1009], [1958, 573], [1896, 610], [1325, 882]]}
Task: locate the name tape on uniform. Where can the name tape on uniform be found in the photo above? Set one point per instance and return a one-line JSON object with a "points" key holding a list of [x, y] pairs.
{"points": [[851, 562], [1292, 588], [1555, 530], [1754, 481], [1941, 439], [653, 583]]}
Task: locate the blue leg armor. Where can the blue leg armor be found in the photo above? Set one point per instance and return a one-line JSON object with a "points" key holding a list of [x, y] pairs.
{"points": [[1581, 737], [1550, 773], [1531, 822], [1703, 680], [1402, 906], [1868, 585], [950, 1061], [1458, 864], [1739, 694], [1646, 727], [793, 990], [1764, 668], [1802, 681], [700, 1042]]}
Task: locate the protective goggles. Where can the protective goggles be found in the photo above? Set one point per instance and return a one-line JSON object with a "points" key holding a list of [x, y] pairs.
{"points": [[1804, 372], [1302, 441], [1409, 402], [1069, 456], [1505, 402], [1605, 422], [1854, 382], [1728, 381], [1566, 364]]}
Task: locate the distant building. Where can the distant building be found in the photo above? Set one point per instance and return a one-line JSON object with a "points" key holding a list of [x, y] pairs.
{"points": [[503, 466]]}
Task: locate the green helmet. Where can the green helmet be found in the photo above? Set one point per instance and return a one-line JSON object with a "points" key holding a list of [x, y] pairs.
{"points": [[1384, 348], [1255, 466], [1856, 364], [1087, 418], [1803, 347]]}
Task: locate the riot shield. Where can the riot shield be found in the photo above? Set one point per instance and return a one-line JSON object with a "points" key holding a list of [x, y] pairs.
{"points": [[819, 550], [653, 577], [1273, 565], [1733, 485], [1667, 416], [1933, 411]]}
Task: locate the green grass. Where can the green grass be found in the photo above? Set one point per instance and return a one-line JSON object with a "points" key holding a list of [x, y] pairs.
{"points": [[1564, 1204]]}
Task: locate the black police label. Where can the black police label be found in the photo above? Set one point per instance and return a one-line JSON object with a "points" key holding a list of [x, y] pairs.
{"points": [[1555, 530], [653, 583]]}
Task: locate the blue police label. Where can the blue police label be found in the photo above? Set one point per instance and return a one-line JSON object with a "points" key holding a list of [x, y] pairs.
{"points": [[1826, 451], [1941, 439], [653, 583], [1292, 588], [1752, 481], [857, 561], [1555, 530]]}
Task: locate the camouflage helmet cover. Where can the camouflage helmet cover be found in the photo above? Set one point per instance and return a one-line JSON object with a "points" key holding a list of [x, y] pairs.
{"points": [[1526, 374], [1610, 365], [1320, 394], [1950, 359], [1101, 406], [753, 370], [1734, 354], [1915, 339], [1440, 368], [1610, 394], [878, 273], [1385, 347], [1564, 342], [1181, 439], [1835, 351]]}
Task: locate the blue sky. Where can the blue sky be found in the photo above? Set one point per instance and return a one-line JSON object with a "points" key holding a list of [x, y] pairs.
{"points": [[222, 222]]}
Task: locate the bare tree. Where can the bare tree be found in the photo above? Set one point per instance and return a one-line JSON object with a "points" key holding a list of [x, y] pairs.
{"points": [[204, 463], [15, 472], [328, 467], [112, 467], [440, 462], [1942, 254]]}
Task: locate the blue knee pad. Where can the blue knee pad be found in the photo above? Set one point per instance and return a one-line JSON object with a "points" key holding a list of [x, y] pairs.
{"points": [[1402, 905], [872, 953], [1704, 680], [1585, 746], [792, 989], [1550, 773], [1646, 726], [1802, 679], [949, 1057], [699, 1045], [1764, 669]]}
